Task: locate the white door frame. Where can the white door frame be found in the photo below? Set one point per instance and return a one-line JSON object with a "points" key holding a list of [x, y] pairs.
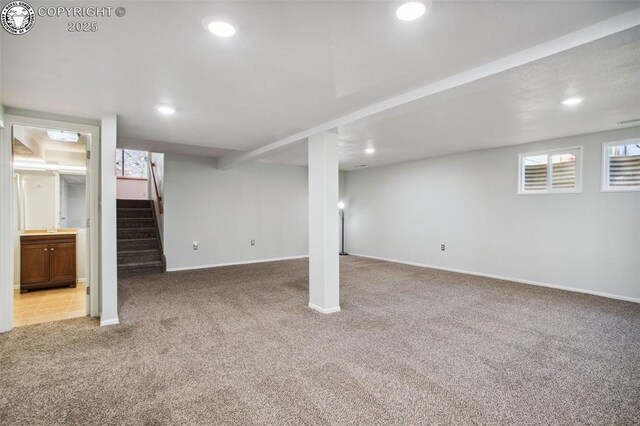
{"points": [[6, 210]]}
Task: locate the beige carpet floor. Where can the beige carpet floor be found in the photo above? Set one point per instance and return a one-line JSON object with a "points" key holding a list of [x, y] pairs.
{"points": [[237, 345]]}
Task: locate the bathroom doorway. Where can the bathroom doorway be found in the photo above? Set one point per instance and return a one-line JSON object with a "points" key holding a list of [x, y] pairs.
{"points": [[54, 197]]}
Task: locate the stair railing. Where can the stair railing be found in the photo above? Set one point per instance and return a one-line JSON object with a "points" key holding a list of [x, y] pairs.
{"points": [[155, 185]]}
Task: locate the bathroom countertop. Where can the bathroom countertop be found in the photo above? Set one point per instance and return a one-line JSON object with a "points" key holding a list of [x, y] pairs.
{"points": [[40, 232]]}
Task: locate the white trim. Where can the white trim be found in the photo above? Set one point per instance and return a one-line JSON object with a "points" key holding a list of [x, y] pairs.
{"points": [[113, 321], [245, 262], [568, 41], [503, 278], [323, 310], [6, 229], [604, 181], [6, 274]]}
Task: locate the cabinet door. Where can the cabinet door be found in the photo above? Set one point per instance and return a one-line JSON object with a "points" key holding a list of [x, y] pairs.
{"points": [[34, 264], [63, 261]]}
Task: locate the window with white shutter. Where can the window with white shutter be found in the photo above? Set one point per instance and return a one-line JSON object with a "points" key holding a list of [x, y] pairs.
{"points": [[621, 166], [550, 172]]}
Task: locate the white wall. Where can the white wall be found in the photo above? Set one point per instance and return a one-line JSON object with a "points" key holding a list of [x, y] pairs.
{"points": [[132, 189], [40, 195], [15, 231], [64, 202], [588, 241], [76, 207], [225, 209]]}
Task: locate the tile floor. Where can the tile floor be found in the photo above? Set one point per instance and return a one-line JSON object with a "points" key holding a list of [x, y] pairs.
{"points": [[52, 304]]}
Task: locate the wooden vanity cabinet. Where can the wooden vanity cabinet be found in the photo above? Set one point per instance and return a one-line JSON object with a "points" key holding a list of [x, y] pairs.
{"points": [[47, 261]]}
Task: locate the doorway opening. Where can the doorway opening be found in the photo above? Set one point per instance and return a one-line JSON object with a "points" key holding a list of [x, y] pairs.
{"points": [[51, 216]]}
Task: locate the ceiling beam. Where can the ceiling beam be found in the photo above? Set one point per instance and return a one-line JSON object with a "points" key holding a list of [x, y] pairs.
{"points": [[577, 38]]}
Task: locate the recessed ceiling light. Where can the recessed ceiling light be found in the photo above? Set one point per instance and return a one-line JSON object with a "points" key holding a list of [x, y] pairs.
{"points": [[165, 109], [370, 150], [222, 28], [572, 101], [410, 11]]}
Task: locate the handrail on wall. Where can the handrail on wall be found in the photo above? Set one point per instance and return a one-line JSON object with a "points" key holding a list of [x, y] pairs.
{"points": [[155, 185]]}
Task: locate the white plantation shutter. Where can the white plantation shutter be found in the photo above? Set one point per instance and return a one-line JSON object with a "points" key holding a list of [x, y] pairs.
{"points": [[535, 177], [563, 171], [624, 171], [550, 172]]}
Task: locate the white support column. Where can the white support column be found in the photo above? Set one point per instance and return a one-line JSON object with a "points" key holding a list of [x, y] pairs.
{"points": [[324, 268], [108, 228]]}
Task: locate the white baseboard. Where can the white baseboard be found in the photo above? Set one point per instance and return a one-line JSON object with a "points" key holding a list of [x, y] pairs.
{"points": [[112, 321], [246, 262], [503, 278], [323, 310]]}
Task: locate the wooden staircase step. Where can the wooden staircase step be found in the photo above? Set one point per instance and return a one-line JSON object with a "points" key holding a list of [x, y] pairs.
{"points": [[140, 268], [127, 257], [137, 244], [123, 213]]}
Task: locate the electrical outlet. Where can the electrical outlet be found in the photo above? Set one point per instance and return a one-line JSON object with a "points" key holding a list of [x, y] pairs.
{"points": [[253, 242], [195, 245], [442, 247]]}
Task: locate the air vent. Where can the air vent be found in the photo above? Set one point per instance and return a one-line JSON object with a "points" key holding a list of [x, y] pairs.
{"points": [[633, 120]]}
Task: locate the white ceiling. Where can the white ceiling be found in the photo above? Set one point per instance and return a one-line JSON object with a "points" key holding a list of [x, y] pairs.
{"points": [[294, 65], [514, 107], [32, 144]]}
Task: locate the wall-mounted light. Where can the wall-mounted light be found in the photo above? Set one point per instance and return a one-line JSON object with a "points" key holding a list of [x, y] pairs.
{"points": [[25, 165]]}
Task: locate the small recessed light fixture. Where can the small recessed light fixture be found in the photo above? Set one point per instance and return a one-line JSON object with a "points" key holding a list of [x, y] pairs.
{"points": [[370, 150], [572, 101], [221, 27], [410, 11], [165, 109], [341, 205]]}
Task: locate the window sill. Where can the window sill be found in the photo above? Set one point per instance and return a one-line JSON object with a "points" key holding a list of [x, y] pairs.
{"points": [[130, 178], [614, 190], [548, 192]]}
